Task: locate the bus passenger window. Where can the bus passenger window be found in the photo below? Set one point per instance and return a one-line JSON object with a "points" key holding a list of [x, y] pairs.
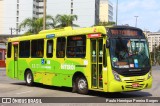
{"points": [[49, 48], [76, 46], [60, 52], [71, 52], [9, 49], [37, 48], [24, 49]]}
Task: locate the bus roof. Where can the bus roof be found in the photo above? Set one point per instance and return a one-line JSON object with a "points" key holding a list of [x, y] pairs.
{"points": [[124, 26], [66, 31]]}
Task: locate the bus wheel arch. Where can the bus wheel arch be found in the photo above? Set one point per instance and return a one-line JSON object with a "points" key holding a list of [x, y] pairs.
{"points": [[79, 83], [28, 76]]}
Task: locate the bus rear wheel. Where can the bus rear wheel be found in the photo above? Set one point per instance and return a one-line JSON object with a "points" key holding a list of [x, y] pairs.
{"points": [[82, 85], [29, 78]]}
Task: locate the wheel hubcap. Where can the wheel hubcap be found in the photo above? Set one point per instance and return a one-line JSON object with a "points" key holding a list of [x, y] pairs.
{"points": [[29, 78], [82, 84]]}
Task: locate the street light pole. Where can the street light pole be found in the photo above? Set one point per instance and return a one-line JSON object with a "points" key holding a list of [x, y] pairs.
{"points": [[155, 51], [155, 54], [116, 12], [44, 15], [136, 21], [71, 7]]}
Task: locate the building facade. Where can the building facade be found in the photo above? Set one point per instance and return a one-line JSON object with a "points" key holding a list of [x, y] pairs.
{"points": [[2, 54], [89, 12], [153, 39], [1, 16], [3, 40], [106, 11], [13, 12]]}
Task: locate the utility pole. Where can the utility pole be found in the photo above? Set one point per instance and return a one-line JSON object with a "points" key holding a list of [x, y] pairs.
{"points": [[117, 12], [11, 31], [44, 15], [14, 29], [155, 52], [136, 21], [17, 18], [97, 11], [71, 10], [71, 7]]}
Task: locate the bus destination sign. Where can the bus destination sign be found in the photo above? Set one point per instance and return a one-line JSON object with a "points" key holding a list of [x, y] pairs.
{"points": [[125, 32]]}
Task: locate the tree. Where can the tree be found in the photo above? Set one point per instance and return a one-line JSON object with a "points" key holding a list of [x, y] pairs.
{"points": [[33, 25], [106, 23], [66, 20], [51, 22], [157, 54]]}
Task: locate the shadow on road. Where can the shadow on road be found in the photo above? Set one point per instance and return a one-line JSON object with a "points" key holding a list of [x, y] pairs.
{"points": [[134, 94], [121, 94]]}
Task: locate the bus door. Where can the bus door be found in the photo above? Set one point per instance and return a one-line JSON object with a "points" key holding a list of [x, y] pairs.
{"points": [[97, 62], [15, 45]]}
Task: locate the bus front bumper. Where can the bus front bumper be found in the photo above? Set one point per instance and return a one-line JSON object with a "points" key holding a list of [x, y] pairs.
{"points": [[116, 86]]}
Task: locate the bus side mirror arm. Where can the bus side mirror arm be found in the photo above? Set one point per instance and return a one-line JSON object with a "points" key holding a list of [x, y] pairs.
{"points": [[107, 44], [104, 56]]}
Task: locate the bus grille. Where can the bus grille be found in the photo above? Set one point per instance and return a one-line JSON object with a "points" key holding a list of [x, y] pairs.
{"points": [[140, 73], [134, 81], [130, 82], [131, 87]]}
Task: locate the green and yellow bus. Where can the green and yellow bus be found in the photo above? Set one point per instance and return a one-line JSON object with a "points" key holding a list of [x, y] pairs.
{"points": [[113, 59]]}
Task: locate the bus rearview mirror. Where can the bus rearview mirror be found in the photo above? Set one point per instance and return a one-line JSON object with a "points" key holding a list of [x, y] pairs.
{"points": [[107, 44]]}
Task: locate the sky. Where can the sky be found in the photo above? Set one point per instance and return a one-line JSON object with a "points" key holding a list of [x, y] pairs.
{"points": [[148, 12]]}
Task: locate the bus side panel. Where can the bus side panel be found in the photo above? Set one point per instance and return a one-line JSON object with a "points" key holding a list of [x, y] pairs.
{"points": [[79, 66], [63, 72], [37, 67], [10, 64], [62, 76], [10, 68], [22, 66]]}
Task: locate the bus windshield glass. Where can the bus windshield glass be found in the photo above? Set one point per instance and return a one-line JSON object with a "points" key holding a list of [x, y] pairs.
{"points": [[129, 53]]}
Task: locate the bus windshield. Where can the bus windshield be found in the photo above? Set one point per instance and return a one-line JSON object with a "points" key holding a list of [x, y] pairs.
{"points": [[129, 53]]}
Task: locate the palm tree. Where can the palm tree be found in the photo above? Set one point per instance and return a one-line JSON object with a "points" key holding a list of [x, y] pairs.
{"points": [[66, 20], [51, 22], [33, 25], [106, 23]]}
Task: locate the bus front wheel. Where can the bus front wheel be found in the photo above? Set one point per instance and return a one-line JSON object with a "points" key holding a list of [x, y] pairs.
{"points": [[82, 85], [29, 78]]}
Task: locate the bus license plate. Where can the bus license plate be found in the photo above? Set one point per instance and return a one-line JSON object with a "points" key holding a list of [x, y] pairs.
{"points": [[134, 85]]}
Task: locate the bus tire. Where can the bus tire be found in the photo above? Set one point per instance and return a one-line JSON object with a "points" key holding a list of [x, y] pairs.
{"points": [[29, 78], [82, 85], [74, 87]]}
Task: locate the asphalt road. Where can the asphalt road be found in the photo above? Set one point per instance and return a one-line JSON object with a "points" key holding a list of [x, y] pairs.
{"points": [[15, 88]]}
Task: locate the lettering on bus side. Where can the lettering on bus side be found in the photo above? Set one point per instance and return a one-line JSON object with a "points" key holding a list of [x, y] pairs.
{"points": [[68, 66]]}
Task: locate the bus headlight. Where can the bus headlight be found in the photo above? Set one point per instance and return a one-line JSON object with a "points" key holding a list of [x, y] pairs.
{"points": [[149, 75], [116, 76]]}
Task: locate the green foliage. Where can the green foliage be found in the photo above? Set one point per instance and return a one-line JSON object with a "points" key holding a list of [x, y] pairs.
{"points": [[33, 26], [66, 20], [157, 55], [106, 23]]}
